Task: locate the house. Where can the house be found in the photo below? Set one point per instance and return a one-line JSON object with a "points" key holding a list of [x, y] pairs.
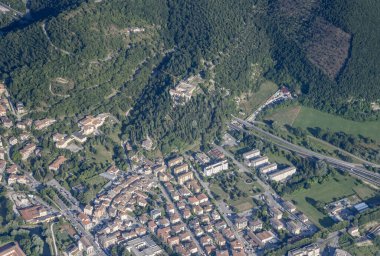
{"points": [[241, 223], [27, 151], [193, 201], [35, 214], [43, 123], [3, 111], [175, 161], [276, 224], [57, 163], [236, 245], [11, 249], [202, 198], [215, 168], [79, 137], [289, 207], [147, 144], [197, 210], [210, 249], [175, 218], [3, 165], [303, 218], [265, 237], [354, 231], [152, 226], [87, 246], [86, 222], [185, 236], [154, 214], [2, 153], [180, 168], [202, 158], [182, 178], [219, 240], [294, 227], [256, 225], [275, 213], [172, 241], [7, 123], [88, 210], [216, 154], [109, 239], [205, 240]]}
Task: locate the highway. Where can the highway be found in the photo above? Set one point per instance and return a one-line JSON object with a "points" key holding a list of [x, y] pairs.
{"points": [[353, 169]]}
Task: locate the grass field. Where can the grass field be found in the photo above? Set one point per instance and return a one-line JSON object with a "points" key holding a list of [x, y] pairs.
{"points": [[336, 187], [252, 100], [305, 117], [242, 203]]}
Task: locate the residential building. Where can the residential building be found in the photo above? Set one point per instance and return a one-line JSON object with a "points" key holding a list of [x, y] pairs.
{"points": [[215, 168], [43, 123], [289, 206], [216, 154], [256, 162], [294, 227], [256, 225], [202, 158], [180, 169], [27, 151], [11, 249], [175, 161], [268, 168], [57, 163], [308, 250], [251, 154], [281, 175], [241, 223], [182, 178]]}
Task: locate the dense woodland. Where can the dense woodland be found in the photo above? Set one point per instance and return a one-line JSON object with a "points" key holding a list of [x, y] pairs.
{"points": [[80, 58]]}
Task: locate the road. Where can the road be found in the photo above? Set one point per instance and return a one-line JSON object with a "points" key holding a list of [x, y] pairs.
{"points": [[270, 195], [54, 183], [11, 9], [168, 198], [353, 169], [75, 222], [53, 236], [221, 208]]}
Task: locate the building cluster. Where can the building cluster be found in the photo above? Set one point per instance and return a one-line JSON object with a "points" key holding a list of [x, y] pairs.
{"points": [[31, 210], [110, 216], [212, 163], [81, 247], [184, 90], [190, 222], [263, 236], [88, 126], [345, 209], [254, 159]]}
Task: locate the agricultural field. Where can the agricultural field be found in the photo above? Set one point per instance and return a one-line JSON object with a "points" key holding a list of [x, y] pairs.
{"points": [[338, 186], [305, 117], [242, 203]]}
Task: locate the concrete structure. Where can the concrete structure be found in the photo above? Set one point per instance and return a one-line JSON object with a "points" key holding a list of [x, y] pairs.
{"points": [[258, 161], [251, 154], [215, 168], [281, 175], [308, 250], [268, 168]]}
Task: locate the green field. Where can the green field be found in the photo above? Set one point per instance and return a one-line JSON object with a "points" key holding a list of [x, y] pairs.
{"points": [[336, 187], [309, 117], [242, 203], [252, 100]]}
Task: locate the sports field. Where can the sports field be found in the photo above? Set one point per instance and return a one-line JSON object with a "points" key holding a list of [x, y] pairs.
{"points": [[306, 117], [336, 187]]}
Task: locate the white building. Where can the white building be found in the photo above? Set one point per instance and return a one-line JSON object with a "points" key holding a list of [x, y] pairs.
{"points": [[215, 168], [251, 154], [258, 161], [282, 174], [308, 250], [268, 168]]}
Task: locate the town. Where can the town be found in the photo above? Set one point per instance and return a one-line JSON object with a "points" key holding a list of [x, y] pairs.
{"points": [[162, 205]]}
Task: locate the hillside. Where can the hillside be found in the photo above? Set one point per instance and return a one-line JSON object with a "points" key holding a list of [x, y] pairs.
{"points": [[327, 50], [122, 55]]}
